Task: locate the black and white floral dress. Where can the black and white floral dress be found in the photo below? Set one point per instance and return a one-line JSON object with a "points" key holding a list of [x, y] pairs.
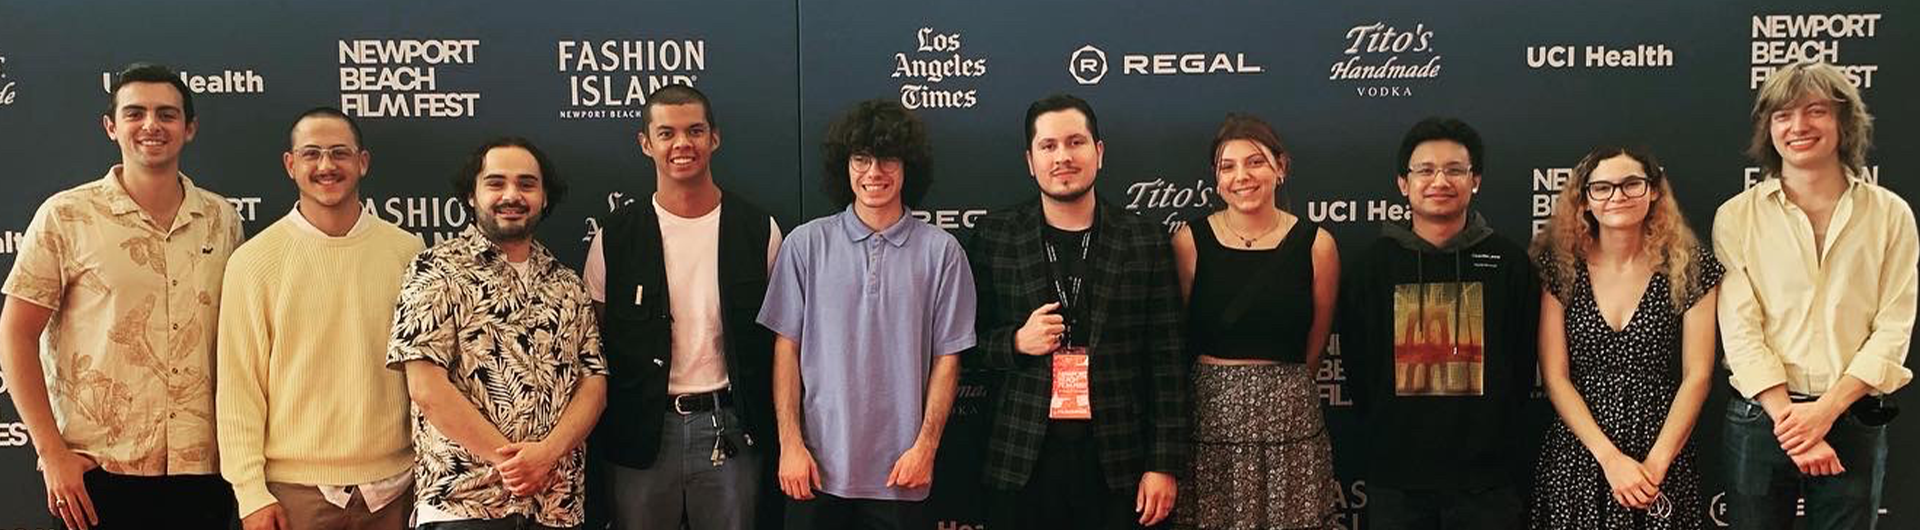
{"points": [[1628, 378]]}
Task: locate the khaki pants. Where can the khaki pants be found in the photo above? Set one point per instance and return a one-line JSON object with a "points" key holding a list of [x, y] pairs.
{"points": [[307, 509]]}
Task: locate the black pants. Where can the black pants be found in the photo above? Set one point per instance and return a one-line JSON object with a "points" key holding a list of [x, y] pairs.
{"points": [[176, 501], [827, 512], [1496, 508], [1066, 490]]}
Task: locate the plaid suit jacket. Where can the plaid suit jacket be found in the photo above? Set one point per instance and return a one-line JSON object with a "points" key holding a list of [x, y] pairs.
{"points": [[1138, 373]]}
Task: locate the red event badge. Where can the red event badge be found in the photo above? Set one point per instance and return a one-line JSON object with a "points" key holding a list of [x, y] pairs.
{"points": [[1070, 401]]}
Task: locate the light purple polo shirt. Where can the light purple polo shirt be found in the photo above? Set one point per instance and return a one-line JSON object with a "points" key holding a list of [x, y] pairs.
{"points": [[870, 311]]}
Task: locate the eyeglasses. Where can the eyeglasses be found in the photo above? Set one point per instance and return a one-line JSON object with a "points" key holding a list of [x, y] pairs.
{"points": [[337, 154], [863, 163], [1633, 188], [1428, 172]]}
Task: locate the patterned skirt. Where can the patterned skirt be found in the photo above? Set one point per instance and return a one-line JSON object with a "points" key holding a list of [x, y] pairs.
{"points": [[1261, 455]]}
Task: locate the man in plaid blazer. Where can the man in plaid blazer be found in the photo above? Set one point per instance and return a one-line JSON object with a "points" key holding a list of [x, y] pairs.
{"points": [[1080, 310]]}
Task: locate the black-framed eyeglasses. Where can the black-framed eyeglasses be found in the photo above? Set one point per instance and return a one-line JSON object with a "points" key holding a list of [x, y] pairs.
{"points": [[864, 162], [1633, 188]]}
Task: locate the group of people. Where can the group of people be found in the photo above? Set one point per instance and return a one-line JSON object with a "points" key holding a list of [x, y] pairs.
{"points": [[707, 371]]}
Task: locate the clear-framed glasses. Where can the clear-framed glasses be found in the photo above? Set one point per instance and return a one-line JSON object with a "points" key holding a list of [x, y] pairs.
{"points": [[1633, 188], [1429, 172], [864, 162], [337, 154]]}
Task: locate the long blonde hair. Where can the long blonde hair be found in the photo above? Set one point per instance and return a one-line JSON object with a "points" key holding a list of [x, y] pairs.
{"points": [[1572, 232]]}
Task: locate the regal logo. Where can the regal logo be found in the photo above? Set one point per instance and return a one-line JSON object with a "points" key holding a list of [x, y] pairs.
{"points": [[1088, 65]]}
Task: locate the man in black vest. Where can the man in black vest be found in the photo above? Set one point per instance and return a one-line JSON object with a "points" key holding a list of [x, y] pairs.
{"points": [[678, 281]]}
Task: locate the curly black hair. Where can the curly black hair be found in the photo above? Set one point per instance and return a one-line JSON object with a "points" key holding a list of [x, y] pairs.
{"points": [[883, 129]]}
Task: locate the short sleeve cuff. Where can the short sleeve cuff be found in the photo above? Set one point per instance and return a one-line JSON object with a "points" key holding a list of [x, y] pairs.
{"points": [[33, 290], [955, 346], [399, 355], [780, 326]]}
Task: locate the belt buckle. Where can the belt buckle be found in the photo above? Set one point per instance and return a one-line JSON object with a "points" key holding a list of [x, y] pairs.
{"points": [[677, 408]]}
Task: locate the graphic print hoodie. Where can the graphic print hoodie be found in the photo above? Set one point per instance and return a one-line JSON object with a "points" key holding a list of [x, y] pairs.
{"points": [[1439, 346]]}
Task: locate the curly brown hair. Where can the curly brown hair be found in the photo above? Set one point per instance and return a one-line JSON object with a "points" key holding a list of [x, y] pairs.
{"points": [[1572, 232]]}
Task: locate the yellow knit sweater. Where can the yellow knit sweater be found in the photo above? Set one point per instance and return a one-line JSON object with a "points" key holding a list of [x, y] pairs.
{"points": [[304, 394]]}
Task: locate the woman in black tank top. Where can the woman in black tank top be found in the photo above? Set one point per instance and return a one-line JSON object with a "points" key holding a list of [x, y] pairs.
{"points": [[1260, 284]]}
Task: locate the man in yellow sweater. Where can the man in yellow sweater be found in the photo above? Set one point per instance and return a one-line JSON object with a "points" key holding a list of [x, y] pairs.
{"points": [[312, 426]]}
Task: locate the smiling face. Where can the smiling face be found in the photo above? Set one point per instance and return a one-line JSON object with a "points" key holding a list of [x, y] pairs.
{"points": [[876, 181], [1247, 175], [1064, 158], [1611, 193], [1806, 133], [1440, 181], [150, 125], [680, 141], [509, 195], [325, 162]]}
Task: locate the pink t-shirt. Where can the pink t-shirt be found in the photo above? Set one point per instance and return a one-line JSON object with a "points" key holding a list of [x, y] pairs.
{"points": [[692, 247]]}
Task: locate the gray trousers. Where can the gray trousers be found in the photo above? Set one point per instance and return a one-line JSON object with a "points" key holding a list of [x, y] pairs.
{"points": [[684, 483]]}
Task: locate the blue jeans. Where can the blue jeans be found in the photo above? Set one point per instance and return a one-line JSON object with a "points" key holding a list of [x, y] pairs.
{"points": [[1763, 484], [685, 485]]}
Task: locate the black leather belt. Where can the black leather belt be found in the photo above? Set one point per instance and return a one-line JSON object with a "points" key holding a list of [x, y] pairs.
{"points": [[684, 404]]}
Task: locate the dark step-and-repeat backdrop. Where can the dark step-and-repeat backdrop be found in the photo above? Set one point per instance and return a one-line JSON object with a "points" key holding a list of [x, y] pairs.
{"points": [[1543, 82]]}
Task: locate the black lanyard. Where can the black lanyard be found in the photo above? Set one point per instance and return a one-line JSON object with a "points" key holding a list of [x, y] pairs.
{"points": [[1069, 297]]}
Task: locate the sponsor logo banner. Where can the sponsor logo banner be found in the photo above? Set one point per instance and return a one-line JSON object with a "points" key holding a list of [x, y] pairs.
{"points": [[1088, 65], [937, 58], [401, 78], [1780, 40], [610, 79], [1382, 60]]}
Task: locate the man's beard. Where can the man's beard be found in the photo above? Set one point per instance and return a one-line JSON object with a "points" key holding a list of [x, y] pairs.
{"points": [[1071, 195], [490, 226]]}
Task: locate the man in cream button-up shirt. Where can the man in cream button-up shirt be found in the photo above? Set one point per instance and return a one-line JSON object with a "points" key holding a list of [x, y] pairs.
{"points": [[1817, 309]]}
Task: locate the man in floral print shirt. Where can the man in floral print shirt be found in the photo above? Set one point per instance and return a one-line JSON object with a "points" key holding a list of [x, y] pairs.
{"points": [[502, 358]]}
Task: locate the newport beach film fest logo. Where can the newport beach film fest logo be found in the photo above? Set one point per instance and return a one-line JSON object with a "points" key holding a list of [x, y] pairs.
{"points": [[936, 58], [611, 79], [400, 78], [1384, 59], [1088, 64], [1779, 40], [7, 92]]}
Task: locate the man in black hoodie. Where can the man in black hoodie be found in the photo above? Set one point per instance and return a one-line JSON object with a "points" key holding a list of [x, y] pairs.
{"points": [[1437, 328]]}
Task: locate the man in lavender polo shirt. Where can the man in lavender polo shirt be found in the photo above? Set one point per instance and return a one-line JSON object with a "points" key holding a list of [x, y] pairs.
{"points": [[869, 305]]}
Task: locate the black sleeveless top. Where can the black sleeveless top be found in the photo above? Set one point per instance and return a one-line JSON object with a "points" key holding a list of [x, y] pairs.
{"points": [[1252, 304]]}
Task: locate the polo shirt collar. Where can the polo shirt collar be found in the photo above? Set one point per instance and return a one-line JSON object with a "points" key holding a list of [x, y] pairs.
{"points": [[857, 231]]}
